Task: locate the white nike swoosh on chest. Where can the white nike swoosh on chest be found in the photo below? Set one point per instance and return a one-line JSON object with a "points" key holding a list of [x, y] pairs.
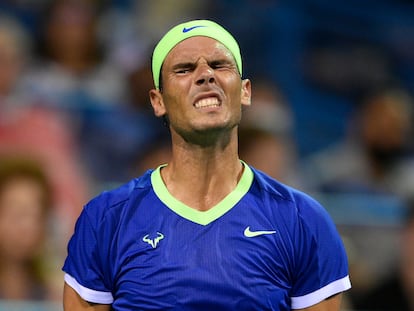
{"points": [[250, 234]]}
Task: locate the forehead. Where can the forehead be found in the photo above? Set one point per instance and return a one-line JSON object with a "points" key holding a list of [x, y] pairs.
{"points": [[191, 49]]}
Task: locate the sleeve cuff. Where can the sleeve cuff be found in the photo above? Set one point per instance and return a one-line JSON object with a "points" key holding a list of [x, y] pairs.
{"points": [[88, 294], [317, 296]]}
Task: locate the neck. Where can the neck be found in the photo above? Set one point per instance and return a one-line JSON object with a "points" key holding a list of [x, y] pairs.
{"points": [[210, 172]]}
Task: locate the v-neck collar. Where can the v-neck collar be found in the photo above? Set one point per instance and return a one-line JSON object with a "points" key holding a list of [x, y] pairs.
{"points": [[202, 217]]}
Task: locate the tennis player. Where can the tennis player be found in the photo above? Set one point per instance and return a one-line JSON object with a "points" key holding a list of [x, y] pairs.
{"points": [[205, 231]]}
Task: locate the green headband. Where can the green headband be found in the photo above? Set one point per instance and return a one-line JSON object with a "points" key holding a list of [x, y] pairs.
{"points": [[187, 30]]}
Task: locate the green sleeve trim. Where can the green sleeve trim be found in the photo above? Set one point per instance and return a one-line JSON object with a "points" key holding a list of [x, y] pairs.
{"points": [[202, 217]]}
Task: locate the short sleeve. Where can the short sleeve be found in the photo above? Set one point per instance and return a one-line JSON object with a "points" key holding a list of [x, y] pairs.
{"points": [[83, 266], [321, 265]]}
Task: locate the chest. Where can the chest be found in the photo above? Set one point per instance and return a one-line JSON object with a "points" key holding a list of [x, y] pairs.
{"points": [[166, 262]]}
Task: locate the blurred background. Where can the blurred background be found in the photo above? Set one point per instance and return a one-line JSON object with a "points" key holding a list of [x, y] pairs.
{"points": [[332, 114]]}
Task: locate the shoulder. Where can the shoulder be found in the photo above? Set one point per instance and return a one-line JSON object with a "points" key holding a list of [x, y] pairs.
{"points": [[317, 258], [109, 202], [291, 201], [282, 192]]}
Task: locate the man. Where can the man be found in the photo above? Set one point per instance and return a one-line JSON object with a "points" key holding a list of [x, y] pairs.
{"points": [[206, 231]]}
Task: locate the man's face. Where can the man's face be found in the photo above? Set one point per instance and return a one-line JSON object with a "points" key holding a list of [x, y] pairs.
{"points": [[202, 89]]}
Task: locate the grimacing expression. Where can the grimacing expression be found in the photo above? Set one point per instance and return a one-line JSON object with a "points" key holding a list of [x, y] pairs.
{"points": [[202, 88]]}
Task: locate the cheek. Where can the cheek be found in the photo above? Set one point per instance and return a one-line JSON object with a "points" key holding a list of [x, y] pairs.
{"points": [[238, 95], [176, 103]]}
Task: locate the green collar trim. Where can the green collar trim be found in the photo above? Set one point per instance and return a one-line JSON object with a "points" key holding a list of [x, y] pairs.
{"points": [[202, 217]]}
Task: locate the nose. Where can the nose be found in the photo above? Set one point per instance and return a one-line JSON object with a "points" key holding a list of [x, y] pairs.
{"points": [[205, 74]]}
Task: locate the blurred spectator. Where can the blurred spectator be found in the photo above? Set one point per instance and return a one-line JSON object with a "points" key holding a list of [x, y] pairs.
{"points": [[152, 16], [265, 139], [113, 139], [15, 47], [271, 110], [32, 130], [265, 151], [107, 98], [136, 25], [373, 167], [74, 75], [376, 156], [264, 34], [73, 72], [155, 148], [25, 205], [155, 154], [397, 291], [26, 11]]}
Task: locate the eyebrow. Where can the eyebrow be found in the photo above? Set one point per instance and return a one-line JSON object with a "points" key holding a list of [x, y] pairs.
{"points": [[222, 61], [183, 65], [217, 61]]}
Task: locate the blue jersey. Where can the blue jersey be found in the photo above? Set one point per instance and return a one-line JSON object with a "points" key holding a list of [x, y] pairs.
{"points": [[265, 246]]}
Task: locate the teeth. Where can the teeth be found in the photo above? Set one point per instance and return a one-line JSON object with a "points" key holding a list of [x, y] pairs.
{"points": [[207, 102]]}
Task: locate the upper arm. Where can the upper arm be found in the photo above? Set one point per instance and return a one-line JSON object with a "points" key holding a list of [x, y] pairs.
{"points": [[330, 304], [73, 302], [321, 268], [85, 267]]}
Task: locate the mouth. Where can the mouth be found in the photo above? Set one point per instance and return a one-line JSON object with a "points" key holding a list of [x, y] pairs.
{"points": [[208, 102]]}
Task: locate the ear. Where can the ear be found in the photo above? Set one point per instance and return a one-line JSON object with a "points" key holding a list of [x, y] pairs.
{"points": [[246, 92], [157, 102]]}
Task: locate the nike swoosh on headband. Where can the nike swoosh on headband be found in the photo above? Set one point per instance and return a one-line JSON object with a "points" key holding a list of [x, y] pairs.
{"points": [[185, 29]]}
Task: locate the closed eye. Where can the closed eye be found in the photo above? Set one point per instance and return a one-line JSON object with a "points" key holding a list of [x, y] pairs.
{"points": [[183, 68], [182, 71], [219, 64]]}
